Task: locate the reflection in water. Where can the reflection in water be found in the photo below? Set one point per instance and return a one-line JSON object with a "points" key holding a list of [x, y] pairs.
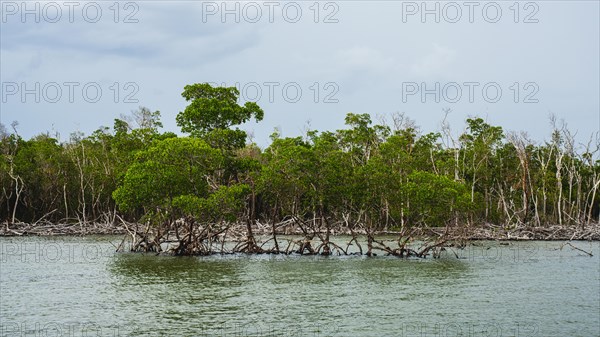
{"points": [[169, 269], [408, 271], [188, 293]]}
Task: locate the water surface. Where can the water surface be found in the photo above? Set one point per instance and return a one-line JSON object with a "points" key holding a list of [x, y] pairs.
{"points": [[73, 286]]}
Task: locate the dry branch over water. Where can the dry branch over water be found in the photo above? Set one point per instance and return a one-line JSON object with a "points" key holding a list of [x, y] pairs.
{"points": [[487, 232], [311, 240], [181, 238], [50, 229], [552, 233]]}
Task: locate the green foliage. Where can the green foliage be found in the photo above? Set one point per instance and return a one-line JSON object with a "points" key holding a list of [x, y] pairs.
{"points": [[178, 177], [225, 204], [171, 168], [226, 139], [214, 108], [435, 200], [286, 176], [363, 173]]}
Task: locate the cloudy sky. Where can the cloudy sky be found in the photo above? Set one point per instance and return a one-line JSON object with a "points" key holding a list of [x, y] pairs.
{"points": [[75, 66]]}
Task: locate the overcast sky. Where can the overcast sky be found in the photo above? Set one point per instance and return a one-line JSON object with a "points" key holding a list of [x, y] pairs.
{"points": [[304, 61]]}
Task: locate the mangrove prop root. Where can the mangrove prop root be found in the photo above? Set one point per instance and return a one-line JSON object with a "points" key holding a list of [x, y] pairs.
{"points": [[186, 237]]}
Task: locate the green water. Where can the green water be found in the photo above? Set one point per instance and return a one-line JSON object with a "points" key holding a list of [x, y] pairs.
{"points": [[79, 287]]}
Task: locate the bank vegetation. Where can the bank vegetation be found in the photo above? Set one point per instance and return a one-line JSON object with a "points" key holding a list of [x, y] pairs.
{"points": [[189, 195]]}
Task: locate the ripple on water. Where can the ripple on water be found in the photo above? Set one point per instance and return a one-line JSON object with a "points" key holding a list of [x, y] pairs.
{"points": [[514, 290]]}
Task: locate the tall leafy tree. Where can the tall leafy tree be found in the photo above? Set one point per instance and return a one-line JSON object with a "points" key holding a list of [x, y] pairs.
{"points": [[212, 113]]}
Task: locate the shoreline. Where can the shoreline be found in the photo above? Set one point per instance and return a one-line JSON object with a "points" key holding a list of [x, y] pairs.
{"points": [[480, 233]]}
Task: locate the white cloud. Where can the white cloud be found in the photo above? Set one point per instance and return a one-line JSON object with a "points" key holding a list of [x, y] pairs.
{"points": [[369, 54], [437, 61], [365, 58]]}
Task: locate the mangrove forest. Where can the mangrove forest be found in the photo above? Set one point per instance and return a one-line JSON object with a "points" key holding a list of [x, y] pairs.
{"points": [[215, 191]]}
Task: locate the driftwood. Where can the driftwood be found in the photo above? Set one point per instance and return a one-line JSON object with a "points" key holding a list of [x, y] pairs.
{"points": [[186, 237], [236, 232], [522, 232], [49, 229], [579, 249]]}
